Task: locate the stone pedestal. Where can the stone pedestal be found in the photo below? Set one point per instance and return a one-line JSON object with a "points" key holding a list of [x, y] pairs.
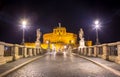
{"points": [[82, 52], [85, 52], [37, 51], [30, 52], [15, 56], [117, 60], [105, 53], [89, 51], [2, 58], [81, 46], [81, 43], [95, 51], [34, 51], [37, 44], [24, 52]]}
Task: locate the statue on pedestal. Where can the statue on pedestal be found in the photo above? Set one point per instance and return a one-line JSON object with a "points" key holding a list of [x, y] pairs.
{"points": [[81, 33], [81, 42], [38, 34]]}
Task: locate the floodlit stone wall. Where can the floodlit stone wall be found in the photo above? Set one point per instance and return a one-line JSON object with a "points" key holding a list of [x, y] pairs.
{"points": [[109, 51], [10, 52]]}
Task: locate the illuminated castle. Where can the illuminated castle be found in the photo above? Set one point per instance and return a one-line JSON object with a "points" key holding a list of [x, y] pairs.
{"points": [[60, 36], [57, 39]]}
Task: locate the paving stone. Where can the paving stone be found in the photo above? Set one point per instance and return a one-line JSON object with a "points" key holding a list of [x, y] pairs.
{"points": [[61, 66]]}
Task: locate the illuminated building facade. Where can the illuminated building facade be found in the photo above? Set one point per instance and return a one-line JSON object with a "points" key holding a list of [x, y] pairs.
{"points": [[60, 37]]}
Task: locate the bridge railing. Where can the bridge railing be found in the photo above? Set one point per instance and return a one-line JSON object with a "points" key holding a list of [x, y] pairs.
{"points": [[10, 52], [109, 51]]}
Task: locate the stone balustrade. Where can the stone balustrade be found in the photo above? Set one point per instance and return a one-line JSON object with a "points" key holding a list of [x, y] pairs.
{"points": [[109, 51], [10, 52]]}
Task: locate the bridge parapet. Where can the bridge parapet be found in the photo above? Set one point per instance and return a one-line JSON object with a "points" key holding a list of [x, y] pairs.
{"points": [[107, 51], [11, 52]]}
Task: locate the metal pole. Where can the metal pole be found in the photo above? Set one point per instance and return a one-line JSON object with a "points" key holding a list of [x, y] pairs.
{"points": [[97, 39], [23, 41]]}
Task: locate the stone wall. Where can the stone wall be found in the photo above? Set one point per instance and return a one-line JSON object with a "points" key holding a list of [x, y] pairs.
{"points": [[109, 51], [10, 52]]}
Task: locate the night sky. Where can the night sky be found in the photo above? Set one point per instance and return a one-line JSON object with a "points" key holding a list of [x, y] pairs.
{"points": [[46, 14]]}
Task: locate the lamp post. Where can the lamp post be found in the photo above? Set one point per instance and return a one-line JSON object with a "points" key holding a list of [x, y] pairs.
{"points": [[24, 23], [97, 26]]}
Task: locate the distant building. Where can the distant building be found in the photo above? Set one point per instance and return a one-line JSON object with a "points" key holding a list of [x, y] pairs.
{"points": [[58, 39], [60, 35]]}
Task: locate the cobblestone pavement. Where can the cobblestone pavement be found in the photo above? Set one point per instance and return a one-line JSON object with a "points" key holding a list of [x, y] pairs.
{"points": [[107, 63], [61, 66], [13, 64]]}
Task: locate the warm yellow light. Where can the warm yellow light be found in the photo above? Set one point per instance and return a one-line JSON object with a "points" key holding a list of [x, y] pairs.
{"points": [[24, 22], [65, 47], [72, 41], [47, 42]]}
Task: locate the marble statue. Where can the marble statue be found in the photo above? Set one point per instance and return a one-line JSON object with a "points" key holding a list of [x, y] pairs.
{"points": [[81, 33], [81, 42], [38, 34]]}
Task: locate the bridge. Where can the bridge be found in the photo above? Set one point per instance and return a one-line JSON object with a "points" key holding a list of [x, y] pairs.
{"points": [[93, 61]]}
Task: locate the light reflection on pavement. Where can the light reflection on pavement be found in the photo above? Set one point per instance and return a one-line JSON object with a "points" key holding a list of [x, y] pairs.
{"points": [[66, 65]]}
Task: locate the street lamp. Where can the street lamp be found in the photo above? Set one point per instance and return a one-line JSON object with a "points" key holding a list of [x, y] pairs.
{"points": [[24, 23], [97, 26]]}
